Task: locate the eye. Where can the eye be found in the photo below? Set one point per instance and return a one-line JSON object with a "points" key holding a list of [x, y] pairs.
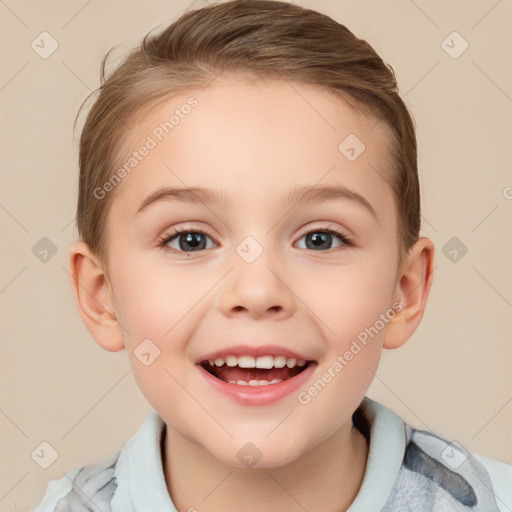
{"points": [[322, 239], [186, 240], [183, 241]]}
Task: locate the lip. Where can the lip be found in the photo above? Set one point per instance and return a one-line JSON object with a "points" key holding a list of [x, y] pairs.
{"points": [[247, 350], [258, 395]]}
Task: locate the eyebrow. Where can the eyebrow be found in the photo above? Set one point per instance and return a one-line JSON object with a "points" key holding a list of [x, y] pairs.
{"points": [[185, 195], [298, 195], [315, 194]]}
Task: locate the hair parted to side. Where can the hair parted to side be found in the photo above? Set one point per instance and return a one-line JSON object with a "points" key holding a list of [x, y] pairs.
{"points": [[262, 39]]}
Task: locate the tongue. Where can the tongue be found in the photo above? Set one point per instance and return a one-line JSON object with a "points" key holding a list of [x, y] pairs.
{"points": [[227, 373]]}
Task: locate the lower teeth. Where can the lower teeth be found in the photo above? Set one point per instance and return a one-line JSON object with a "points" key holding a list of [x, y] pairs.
{"points": [[254, 382]]}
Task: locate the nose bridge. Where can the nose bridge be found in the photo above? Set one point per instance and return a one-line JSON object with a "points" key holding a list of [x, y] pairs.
{"points": [[255, 285]]}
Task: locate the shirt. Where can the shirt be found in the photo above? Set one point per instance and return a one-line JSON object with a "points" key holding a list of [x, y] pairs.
{"points": [[408, 470]]}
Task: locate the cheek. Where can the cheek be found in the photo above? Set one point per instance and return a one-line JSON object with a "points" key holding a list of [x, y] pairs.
{"points": [[154, 314], [151, 301], [157, 311], [350, 300], [349, 312]]}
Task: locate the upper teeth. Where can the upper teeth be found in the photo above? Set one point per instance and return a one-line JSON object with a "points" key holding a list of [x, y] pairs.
{"points": [[258, 362]]}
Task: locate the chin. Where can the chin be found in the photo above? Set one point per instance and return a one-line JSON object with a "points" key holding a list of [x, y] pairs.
{"points": [[257, 454]]}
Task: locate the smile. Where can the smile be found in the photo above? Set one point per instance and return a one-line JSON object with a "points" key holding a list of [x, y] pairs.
{"points": [[259, 379], [254, 371]]}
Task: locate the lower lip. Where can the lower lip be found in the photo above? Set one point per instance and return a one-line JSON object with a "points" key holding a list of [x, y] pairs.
{"points": [[258, 395]]}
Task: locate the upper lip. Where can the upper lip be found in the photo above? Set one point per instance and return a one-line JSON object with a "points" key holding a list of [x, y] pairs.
{"points": [[248, 350]]}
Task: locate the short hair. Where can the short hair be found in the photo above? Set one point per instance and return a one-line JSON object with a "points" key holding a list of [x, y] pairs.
{"points": [[263, 39]]}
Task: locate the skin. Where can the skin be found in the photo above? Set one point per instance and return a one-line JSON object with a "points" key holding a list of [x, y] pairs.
{"points": [[255, 141]]}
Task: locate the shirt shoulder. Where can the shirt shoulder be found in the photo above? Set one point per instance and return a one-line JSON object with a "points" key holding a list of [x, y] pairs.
{"points": [[132, 480], [501, 477], [441, 475], [94, 483], [412, 470]]}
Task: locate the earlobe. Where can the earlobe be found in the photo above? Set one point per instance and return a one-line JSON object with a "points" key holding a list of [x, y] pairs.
{"points": [[94, 298], [413, 286]]}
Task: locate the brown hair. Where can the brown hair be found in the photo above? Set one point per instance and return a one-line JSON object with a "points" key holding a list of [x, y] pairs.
{"points": [[264, 39]]}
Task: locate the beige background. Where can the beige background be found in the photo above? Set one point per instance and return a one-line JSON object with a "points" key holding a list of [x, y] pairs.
{"points": [[453, 376]]}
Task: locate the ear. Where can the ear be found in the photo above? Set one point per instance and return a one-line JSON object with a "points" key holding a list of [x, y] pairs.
{"points": [[414, 280], [94, 297]]}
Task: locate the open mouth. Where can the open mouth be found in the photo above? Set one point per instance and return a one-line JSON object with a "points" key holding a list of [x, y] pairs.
{"points": [[250, 371]]}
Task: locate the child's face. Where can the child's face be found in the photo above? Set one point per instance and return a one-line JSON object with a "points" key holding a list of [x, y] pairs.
{"points": [[308, 294]]}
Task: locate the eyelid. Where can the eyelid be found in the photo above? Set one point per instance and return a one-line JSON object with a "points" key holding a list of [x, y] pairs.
{"points": [[344, 233], [172, 232], [326, 227]]}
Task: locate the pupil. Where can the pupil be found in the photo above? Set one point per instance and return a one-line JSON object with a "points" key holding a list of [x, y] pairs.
{"points": [[192, 241], [318, 239]]}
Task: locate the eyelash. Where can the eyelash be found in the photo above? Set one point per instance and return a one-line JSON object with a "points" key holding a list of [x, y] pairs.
{"points": [[162, 242]]}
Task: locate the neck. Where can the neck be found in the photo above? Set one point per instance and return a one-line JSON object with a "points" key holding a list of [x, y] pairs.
{"points": [[327, 478]]}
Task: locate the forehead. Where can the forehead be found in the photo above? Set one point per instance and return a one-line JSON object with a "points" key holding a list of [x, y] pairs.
{"points": [[243, 136]]}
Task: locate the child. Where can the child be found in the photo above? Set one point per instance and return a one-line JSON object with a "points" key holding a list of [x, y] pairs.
{"points": [[274, 142]]}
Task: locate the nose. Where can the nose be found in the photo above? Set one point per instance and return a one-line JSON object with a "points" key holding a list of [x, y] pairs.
{"points": [[258, 289]]}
